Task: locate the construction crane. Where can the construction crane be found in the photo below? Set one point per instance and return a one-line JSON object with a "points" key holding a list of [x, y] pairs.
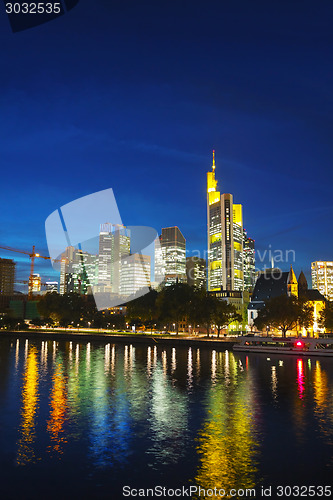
{"points": [[32, 256]]}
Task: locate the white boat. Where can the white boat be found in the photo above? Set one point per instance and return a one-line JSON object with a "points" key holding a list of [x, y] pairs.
{"points": [[300, 346]]}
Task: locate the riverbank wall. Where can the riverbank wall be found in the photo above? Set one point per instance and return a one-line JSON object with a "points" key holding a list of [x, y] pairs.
{"points": [[103, 337]]}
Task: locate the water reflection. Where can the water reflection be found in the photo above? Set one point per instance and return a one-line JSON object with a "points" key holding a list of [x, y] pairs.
{"points": [[227, 445], [30, 400], [300, 378], [188, 414], [58, 409], [168, 421]]}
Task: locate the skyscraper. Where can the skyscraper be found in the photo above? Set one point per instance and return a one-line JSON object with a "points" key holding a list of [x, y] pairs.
{"points": [[322, 277], [121, 249], [114, 245], [7, 276], [249, 263], [134, 274], [105, 255], [170, 256], [196, 271], [225, 238], [78, 271]]}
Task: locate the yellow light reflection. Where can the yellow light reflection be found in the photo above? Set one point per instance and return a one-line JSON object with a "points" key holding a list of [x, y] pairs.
{"points": [[58, 404], [25, 449], [77, 357], [320, 387], [227, 445], [213, 367]]}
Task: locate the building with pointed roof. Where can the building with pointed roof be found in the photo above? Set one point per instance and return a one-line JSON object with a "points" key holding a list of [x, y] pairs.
{"points": [[273, 283]]}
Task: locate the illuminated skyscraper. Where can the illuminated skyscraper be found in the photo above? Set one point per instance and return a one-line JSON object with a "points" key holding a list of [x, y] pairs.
{"points": [[196, 272], [322, 278], [36, 284], [225, 238], [78, 271], [105, 255], [121, 249], [134, 274], [114, 245], [170, 256], [249, 263]]}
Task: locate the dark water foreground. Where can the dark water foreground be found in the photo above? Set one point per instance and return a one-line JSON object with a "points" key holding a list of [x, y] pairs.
{"points": [[82, 420]]}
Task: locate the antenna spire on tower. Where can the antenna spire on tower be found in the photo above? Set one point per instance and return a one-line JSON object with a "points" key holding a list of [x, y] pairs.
{"points": [[213, 166]]}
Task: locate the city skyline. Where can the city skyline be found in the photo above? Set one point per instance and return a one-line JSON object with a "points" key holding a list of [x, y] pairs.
{"points": [[252, 83]]}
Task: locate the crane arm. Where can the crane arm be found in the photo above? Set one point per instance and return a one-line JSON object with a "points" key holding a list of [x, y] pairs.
{"points": [[14, 250]]}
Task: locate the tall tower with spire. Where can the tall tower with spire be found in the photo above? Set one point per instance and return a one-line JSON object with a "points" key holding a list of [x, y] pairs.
{"points": [[224, 238]]}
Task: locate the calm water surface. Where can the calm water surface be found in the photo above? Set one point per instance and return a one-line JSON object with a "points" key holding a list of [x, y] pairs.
{"points": [[81, 420]]}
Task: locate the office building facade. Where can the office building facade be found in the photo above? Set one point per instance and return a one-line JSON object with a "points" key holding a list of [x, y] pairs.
{"points": [[322, 278], [170, 256], [114, 246], [249, 263], [225, 238], [7, 276], [196, 272], [134, 274], [78, 271]]}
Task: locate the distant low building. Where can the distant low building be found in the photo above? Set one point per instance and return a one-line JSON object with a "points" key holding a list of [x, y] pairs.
{"points": [[52, 286], [240, 301]]}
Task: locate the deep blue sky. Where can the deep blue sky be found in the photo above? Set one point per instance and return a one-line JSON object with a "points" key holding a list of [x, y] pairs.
{"points": [[135, 95]]}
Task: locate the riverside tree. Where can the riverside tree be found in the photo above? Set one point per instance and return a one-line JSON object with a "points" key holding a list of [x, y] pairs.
{"points": [[143, 309], [326, 317], [285, 313], [174, 304]]}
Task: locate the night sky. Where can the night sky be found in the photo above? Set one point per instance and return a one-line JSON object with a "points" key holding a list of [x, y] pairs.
{"points": [[135, 95]]}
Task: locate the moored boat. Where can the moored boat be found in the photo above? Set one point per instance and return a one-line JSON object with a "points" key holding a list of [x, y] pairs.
{"points": [[301, 346]]}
